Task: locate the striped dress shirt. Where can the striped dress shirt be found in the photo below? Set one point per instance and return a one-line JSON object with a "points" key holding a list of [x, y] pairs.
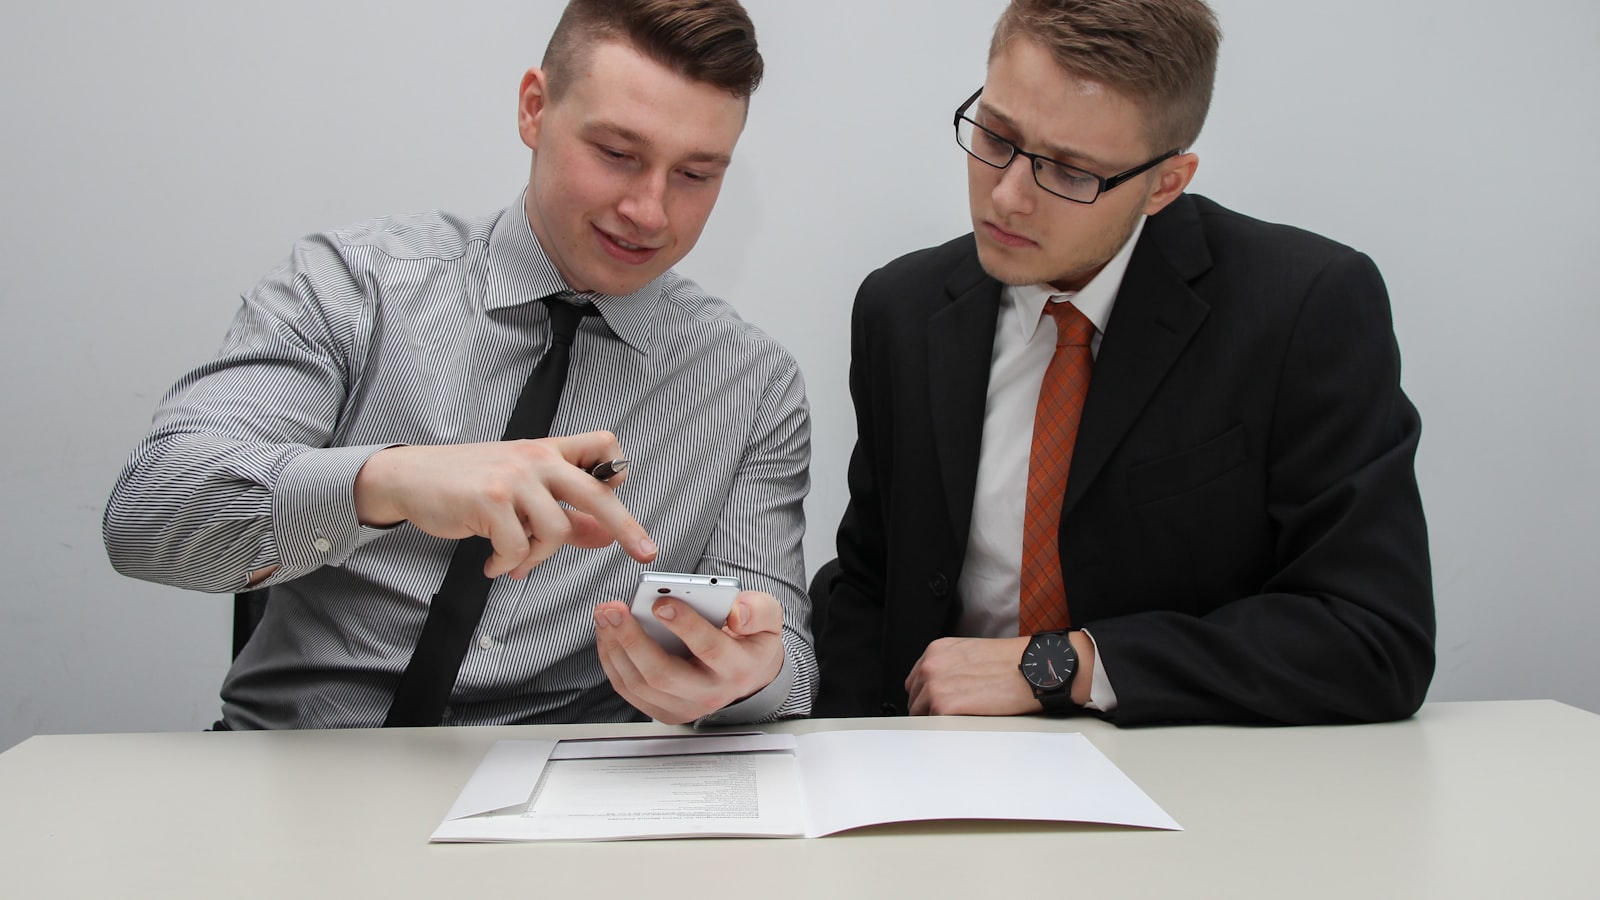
{"points": [[421, 330]]}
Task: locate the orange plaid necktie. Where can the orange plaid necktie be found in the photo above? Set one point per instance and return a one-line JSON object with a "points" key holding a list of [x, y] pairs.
{"points": [[1043, 602]]}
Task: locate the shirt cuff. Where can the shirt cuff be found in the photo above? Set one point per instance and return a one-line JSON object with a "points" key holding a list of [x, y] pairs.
{"points": [[314, 509], [1101, 696]]}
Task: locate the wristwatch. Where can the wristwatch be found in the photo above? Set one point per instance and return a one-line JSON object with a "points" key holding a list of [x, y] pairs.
{"points": [[1048, 664]]}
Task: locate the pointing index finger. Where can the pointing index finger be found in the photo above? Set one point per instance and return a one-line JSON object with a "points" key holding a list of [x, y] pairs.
{"points": [[585, 494]]}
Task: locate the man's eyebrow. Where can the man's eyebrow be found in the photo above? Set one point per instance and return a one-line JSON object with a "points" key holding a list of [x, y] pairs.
{"points": [[1060, 154], [629, 136]]}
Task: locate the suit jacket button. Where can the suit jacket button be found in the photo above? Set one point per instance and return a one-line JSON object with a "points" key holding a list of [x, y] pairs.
{"points": [[889, 709], [939, 584]]}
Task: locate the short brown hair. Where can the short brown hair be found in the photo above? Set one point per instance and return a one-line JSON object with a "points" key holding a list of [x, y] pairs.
{"points": [[1162, 54], [710, 41]]}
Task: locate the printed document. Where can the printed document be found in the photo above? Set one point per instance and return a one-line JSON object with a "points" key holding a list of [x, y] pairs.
{"points": [[782, 785]]}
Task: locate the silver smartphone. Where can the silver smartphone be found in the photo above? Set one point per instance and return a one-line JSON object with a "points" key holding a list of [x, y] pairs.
{"points": [[709, 595]]}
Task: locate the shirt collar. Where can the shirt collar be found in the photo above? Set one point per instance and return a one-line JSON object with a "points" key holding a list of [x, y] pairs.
{"points": [[1094, 301], [521, 272]]}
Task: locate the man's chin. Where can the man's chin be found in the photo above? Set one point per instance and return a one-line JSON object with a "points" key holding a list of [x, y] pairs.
{"points": [[613, 283], [1005, 271]]}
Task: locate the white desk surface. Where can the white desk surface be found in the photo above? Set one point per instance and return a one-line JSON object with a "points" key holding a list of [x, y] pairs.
{"points": [[1488, 799]]}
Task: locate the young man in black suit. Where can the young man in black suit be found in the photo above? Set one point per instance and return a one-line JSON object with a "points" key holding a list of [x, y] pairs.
{"points": [[1234, 533]]}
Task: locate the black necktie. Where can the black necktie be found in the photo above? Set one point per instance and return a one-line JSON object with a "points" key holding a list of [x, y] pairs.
{"points": [[453, 615]]}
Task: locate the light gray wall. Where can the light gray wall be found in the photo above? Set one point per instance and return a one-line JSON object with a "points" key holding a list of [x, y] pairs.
{"points": [[156, 159]]}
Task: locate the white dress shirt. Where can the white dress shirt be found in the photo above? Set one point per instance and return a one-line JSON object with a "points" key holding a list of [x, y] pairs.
{"points": [[991, 577]]}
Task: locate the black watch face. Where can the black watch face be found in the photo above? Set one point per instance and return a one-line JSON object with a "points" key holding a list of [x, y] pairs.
{"points": [[1049, 661]]}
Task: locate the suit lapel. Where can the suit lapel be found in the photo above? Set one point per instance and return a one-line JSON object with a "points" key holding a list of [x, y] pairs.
{"points": [[960, 347], [1155, 316]]}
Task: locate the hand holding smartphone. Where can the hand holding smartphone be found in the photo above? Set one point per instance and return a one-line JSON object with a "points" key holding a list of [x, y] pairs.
{"points": [[709, 595]]}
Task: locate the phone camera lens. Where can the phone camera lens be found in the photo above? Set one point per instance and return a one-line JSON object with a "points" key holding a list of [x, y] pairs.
{"points": [[713, 581]]}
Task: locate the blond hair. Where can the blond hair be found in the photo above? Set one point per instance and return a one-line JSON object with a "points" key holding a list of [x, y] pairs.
{"points": [[1162, 54]]}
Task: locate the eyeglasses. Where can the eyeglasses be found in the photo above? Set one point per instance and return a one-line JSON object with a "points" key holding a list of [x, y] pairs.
{"points": [[1066, 182]]}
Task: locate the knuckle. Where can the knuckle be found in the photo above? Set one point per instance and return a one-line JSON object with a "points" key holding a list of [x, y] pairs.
{"points": [[557, 531], [628, 640], [707, 649], [496, 491], [536, 451], [668, 682]]}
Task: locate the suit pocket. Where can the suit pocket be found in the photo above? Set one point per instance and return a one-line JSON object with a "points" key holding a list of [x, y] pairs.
{"points": [[1186, 470]]}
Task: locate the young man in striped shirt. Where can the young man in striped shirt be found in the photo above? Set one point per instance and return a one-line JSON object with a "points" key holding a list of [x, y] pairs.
{"points": [[347, 435]]}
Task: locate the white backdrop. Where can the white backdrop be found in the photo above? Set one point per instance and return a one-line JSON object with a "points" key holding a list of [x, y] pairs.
{"points": [[158, 158]]}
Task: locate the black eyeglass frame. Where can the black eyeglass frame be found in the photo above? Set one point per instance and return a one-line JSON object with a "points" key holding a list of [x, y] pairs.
{"points": [[1034, 159]]}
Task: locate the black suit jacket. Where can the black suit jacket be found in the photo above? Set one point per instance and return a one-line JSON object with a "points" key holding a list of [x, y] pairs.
{"points": [[1242, 532]]}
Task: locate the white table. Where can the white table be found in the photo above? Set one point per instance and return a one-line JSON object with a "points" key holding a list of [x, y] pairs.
{"points": [[1492, 799]]}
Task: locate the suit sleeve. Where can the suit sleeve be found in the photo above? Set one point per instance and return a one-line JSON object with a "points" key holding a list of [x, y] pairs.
{"points": [[1342, 630], [852, 647]]}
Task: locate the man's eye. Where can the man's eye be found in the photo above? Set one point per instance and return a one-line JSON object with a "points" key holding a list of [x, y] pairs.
{"points": [[1067, 178], [993, 142]]}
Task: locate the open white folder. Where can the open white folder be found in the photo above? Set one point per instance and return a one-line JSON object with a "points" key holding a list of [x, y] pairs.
{"points": [[781, 785]]}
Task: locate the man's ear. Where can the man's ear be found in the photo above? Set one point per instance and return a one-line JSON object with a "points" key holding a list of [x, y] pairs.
{"points": [[1172, 177], [532, 100]]}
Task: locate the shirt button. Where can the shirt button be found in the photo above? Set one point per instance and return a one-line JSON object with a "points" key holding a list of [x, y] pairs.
{"points": [[486, 642], [322, 544]]}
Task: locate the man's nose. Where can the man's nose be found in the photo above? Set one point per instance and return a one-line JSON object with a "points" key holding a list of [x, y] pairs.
{"points": [[645, 204], [1015, 191]]}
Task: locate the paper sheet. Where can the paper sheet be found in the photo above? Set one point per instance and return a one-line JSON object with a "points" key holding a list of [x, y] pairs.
{"points": [[762, 785]]}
